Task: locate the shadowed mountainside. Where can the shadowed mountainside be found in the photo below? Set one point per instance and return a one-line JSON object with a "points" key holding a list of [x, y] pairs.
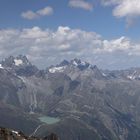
{"points": [[89, 102]]}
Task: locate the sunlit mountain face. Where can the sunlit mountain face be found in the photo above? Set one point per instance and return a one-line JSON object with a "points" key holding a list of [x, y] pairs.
{"points": [[73, 99], [69, 70]]}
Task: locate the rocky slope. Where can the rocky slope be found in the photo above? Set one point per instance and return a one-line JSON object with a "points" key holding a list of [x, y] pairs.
{"points": [[90, 103], [7, 134]]}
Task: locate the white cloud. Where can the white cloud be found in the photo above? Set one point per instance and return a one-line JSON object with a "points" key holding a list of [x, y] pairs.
{"points": [[81, 4], [45, 12], [124, 8], [45, 46], [122, 44], [30, 15]]}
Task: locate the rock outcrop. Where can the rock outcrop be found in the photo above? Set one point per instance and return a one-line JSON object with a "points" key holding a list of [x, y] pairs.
{"points": [[7, 134]]}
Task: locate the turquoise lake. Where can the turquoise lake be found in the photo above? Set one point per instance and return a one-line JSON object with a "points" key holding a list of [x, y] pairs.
{"points": [[49, 120]]}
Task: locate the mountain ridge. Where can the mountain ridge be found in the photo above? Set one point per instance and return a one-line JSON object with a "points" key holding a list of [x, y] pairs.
{"points": [[21, 63], [89, 102]]}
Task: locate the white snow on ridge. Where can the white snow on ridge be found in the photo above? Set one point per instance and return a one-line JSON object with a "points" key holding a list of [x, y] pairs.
{"points": [[1, 67], [133, 76], [75, 63], [56, 69], [80, 63], [104, 74], [130, 77], [15, 132], [83, 63], [18, 62]]}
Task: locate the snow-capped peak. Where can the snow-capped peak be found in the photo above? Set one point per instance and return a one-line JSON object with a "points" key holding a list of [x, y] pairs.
{"points": [[73, 64], [56, 69], [18, 62], [80, 64], [15, 61], [77, 62]]}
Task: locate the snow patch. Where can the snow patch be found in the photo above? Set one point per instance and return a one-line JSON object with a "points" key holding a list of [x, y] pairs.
{"points": [[18, 62], [132, 77], [83, 63], [1, 67], [75, 63], [15, 132], [104, 74], [57, 69], [79, 63]]}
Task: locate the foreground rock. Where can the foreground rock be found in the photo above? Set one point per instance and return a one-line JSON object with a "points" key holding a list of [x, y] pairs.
{"points": [[7, 134]]}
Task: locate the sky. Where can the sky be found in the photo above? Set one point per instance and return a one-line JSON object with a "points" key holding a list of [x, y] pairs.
{"points": [[102, 32]]}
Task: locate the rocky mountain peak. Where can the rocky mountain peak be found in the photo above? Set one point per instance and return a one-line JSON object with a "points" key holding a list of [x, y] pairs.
{"points": [[64, 63], [12, 61], [19, 65], [24, 60], [72, 65], [79, 62]]}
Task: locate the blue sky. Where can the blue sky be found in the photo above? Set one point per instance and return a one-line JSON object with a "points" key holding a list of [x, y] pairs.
{"points": [[100, 19], [114, 24]]}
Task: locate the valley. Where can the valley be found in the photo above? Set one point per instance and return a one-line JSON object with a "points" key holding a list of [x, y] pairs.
{"points": [[74, 96]]}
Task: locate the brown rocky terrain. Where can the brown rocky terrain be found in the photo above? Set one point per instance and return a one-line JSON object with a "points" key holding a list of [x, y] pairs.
{"points": [[7, 134]]}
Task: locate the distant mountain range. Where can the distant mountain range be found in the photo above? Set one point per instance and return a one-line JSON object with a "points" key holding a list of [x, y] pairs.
{"points": [[90, 103]]}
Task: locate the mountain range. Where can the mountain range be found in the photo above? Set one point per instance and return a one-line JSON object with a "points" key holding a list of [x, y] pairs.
{"points": [[74, 99]]}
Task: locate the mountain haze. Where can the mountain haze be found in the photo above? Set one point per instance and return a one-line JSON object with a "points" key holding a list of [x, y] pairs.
{"points": [[90, 103]]}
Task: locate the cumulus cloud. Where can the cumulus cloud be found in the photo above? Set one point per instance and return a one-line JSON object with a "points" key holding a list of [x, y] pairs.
{"points": [[29, 15], [47, 11], [81, 4], [45, 46], [129, 9]]}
